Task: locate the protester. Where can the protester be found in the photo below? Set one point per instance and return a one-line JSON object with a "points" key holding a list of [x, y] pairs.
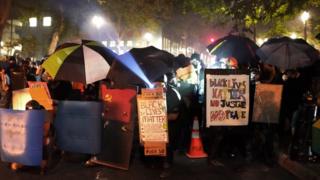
{"points": [[34, 105], [5, 90]]}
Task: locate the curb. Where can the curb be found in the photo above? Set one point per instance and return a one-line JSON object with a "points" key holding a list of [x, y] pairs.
{"points": [[296, 168]]}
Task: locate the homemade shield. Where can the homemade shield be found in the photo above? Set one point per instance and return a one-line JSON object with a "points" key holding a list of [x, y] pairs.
{"points": [[118, 128], [22, 136], [267, 103], [78, 126], [85, 63]]}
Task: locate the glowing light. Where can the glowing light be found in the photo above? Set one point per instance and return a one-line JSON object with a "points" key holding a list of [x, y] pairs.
{"points": [[18, 47], [259, 41], [129, 61], [148, 36], [293, 36], [305, 16], [212, 40], [121, 44], [46, 22], [33, 22], [112, 43], [129, 43], [98, 21], [105, 43], [1, 43]]}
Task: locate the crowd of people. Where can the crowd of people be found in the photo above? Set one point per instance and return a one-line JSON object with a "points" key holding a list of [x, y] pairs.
{"points": [[185, 101]]}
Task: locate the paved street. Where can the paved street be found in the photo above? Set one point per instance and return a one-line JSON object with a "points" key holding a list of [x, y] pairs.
{"points": [[183, 168]]}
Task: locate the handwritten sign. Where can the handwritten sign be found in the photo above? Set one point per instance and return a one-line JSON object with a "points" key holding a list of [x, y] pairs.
{"points": [[267, 102], [21, 136], [39, 91], [155, 149], [20, 99], [153, 123], [153, 93], [227, 99]]}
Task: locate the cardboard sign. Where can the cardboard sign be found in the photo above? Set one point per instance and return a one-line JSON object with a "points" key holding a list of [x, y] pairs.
{"points": [[155, 149], [20, 99], [153, 122], [22, 136], [153, 93], [227, 98], [184, 73], [39, 91], [267, 103]]}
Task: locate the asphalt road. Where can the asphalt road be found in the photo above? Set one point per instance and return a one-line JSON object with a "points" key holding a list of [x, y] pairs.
{"points": [[183, 168]]}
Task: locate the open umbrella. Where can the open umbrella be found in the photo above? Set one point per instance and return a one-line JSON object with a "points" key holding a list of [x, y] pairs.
{"points": [[241, 48], [86, 62], [141, 66], [287, 53]]}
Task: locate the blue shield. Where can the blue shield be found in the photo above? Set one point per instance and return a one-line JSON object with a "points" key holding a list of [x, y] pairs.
{"points": [[21, 134], [78, 126]]}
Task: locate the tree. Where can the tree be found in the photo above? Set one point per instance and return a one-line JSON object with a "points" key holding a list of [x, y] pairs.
{"points": [[5, 7], [249, 13]]}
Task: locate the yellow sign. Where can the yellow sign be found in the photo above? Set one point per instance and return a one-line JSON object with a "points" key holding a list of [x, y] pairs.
{"points": [[39, 92]]}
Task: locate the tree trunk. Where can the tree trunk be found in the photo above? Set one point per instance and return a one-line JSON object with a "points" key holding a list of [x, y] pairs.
{"points": [[57, 33], [5, 7]]}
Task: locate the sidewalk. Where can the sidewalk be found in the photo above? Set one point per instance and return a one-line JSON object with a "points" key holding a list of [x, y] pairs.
{"points": [[302, 170]]}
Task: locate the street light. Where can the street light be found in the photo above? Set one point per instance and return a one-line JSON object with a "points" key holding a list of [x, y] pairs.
{"points": [[304, 18], [293, 36], [148, 37], [98, 21]]}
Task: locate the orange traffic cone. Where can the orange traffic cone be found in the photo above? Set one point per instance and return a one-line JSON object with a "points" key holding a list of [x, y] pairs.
{"points": [[196, 148]]}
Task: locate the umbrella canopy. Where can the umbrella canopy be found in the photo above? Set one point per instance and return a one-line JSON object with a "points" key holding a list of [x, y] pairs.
{"points": [[140, 65], [287, 53], [86, 62], [241, 48]]}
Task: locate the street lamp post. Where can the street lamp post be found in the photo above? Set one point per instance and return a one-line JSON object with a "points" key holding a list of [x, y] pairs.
{"points": [[98, 21], [304, 18], [148, 37]]}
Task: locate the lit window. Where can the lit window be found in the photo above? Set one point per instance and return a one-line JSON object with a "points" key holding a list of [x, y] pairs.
{"points": [[33, 22], [47, 21]]}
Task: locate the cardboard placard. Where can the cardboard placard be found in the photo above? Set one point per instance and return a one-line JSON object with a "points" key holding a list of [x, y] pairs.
{"points": [[152, 93], [20, 99], [155, 149], [153, 122], [39, 91], [267, 103], [227, 98]]}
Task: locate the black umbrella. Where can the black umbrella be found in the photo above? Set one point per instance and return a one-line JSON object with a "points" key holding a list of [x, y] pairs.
{"points": [[239, 47], [140, 65], [287, 53]]}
